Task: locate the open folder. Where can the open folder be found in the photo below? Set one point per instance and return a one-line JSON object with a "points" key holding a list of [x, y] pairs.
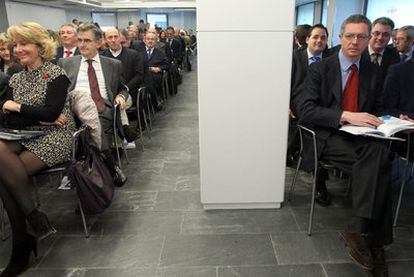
{"points": [[391, 126], [11, 134]]}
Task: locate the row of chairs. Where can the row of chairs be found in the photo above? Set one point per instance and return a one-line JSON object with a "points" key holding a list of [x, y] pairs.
{"points": [[145, 114], [326, 165]]}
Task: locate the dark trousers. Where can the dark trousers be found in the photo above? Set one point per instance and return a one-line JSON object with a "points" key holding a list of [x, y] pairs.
{"points": [[368, 163]]}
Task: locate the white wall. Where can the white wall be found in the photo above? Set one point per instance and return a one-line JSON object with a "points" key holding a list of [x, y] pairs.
{"points": [[50, 18], [180, 19], [244, 91], [82, 15], [125, 17]]}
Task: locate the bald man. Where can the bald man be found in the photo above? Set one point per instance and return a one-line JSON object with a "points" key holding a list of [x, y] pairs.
{"points": [[133, 72]]}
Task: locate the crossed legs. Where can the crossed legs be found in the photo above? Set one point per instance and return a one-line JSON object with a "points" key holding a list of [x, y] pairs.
{"points": [[16, 165]]}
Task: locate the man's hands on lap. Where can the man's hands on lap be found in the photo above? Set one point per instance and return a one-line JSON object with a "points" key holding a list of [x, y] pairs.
{"points": [[360, 119]]}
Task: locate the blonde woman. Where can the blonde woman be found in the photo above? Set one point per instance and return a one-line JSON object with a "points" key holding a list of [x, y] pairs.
{"points": [[36, 100]]}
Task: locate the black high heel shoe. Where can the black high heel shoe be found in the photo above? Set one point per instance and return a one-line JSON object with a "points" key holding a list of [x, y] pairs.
{"points": [[20, 257], [40, 224]]}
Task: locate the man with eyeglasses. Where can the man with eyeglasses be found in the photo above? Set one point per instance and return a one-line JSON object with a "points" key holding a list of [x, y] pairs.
{"points": [[378, 52], [346, 89], [314, 51], [404, 42], [69, 37]]}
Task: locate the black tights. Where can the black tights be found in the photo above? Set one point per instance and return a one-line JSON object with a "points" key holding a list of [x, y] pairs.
{"points": [[16, 165]]}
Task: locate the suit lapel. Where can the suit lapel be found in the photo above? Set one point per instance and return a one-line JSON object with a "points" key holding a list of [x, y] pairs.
{"points": [[364, 78], [74, 71], [107, 72], [334, 74]]}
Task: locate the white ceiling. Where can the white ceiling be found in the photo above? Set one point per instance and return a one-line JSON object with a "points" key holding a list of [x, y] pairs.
{"points": [[112, 5]]}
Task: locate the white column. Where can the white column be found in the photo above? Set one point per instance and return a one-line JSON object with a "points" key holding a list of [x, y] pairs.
{"points": [[244, 66]]}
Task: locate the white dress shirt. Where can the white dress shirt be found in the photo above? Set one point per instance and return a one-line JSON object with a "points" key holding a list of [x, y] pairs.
{"points": [[116, 53], [370, 51], [82, 82], [71, 50]]}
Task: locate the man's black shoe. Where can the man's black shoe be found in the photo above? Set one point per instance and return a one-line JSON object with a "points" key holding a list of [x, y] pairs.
{"points": [[119, 177], [130, 134], [323, 197]]}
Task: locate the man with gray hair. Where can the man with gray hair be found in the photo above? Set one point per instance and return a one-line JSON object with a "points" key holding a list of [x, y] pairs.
{"points": [[345, 89], [378, 52], [404, 42], [100, 77], [69, 36]]}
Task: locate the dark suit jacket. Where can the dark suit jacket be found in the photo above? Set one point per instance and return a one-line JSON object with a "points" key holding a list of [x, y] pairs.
{"points": [[389, 57], [300, 67], [132, 66], [175, 46], [137, 45], [59, 53], [399, 89], [321, 97], [158, 59]]}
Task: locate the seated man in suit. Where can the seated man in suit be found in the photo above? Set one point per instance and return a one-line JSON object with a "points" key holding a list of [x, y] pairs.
{"points": [[157, 62], [378, 52], [128, 42], [69, 36], [404, 42], [345, 89], [316, 42], [399, 90], [133, 72], [102, 78]]}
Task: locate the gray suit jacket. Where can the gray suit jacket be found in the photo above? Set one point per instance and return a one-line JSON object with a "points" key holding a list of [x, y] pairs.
{"points": [[112, 71], [114, 81]]}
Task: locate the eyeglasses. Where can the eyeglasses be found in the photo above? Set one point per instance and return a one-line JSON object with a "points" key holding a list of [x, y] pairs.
{"points": [[359, 37], [87, 41], [384, 34]]}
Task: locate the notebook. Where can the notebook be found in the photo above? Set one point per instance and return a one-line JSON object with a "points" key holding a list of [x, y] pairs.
{"points": [[11, 134]]}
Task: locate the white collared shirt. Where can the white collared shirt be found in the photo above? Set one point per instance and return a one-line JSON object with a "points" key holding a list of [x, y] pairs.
{"points": [[82, 82], [310, 56], [116, 53], [151, 50], [370, 51], [71, 50]]}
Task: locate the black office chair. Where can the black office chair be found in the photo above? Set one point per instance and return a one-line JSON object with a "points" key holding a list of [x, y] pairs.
{"points": [[318, 165], [165, 86]]}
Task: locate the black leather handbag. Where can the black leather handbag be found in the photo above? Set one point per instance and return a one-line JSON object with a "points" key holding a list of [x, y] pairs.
{"points": [[93, 180]]}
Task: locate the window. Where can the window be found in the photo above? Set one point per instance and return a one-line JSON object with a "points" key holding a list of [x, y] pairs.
{"points": [[324, 17], [344, 8], [400, 11], [305, 14], [159, 19]]}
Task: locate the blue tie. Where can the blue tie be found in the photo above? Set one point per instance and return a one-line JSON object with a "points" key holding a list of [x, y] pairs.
{"points": [[315, 59], [149, 54], [402, 58]]}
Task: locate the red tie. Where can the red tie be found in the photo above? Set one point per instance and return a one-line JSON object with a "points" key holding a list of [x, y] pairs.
{"points": [[68, 53], [350, 102], [94, 86]]}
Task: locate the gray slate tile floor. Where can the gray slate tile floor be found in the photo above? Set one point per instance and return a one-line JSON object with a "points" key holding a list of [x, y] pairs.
{"points": [[156, 226]]}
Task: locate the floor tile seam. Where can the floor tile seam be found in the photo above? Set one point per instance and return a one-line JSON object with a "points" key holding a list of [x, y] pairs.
{"points": [[294, 218], [47, 252], [274, 249], [324, 270], [319, 261], [240, 233], [182, 222], [162, 249]]}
